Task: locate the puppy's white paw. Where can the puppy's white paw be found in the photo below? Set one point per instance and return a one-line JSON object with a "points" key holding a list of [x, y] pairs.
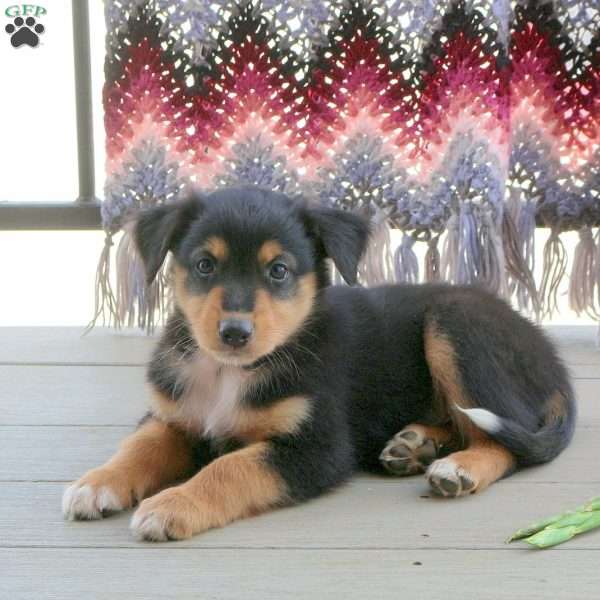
{"points": [[83, 502], [149, 527]]}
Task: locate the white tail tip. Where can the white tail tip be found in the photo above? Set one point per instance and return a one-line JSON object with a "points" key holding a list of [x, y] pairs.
{"points": [[484, 419]]}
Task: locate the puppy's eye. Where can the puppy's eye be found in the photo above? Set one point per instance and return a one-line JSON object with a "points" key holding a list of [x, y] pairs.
{"points": [[278, 272], [205, 266]]}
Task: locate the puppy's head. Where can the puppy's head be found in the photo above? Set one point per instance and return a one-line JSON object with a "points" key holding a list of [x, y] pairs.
{"points": [[248, 264]]}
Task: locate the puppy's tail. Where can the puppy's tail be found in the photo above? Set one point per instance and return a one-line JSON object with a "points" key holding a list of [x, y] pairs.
{"points": [[530, 447]]}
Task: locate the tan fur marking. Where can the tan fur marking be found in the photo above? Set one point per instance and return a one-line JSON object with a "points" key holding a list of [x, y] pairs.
{"points": [[555, 408], [285, 416], [447, 382], [155, 455], [440, 435], [277, 320], [234, 486], [217, 246], [202, 311], [484, 461], [268, 251]]}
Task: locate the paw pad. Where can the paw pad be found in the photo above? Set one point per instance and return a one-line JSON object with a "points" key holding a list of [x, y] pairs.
{"points": [[408, 453], [24, 31], [449, 479]]}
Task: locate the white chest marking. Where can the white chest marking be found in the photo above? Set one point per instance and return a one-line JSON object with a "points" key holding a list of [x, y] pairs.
{"points": [[211, 402]]}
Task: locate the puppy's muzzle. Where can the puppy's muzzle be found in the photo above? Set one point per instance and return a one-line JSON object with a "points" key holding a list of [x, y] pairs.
{"points": [[235, 332]]}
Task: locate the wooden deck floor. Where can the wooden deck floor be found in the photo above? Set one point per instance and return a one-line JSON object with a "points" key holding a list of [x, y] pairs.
{"points": [[65, 403]]}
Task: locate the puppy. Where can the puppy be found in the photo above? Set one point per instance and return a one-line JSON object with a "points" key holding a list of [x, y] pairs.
{"points": [[270, 387]]}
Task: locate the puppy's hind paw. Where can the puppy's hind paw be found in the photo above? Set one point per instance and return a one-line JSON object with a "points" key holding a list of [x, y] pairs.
{"points": [[448, 479], [409, 452]]}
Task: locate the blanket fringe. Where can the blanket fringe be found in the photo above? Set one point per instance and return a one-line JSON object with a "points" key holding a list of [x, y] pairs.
{"points": [[518, 253], [449, 256], [105, 303], [492, 268], [432, 260], [405, 260], [139, 305], [554, 269], [584, 281], [377, 265], [476, 250], [468, 246], [473, 250]]}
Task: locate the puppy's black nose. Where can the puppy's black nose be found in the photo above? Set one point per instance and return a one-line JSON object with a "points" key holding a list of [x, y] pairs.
{"points": [[235, 332]]}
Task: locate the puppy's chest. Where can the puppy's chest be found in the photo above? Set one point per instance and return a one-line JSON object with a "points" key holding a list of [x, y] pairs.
{"points": [[211, 404]]}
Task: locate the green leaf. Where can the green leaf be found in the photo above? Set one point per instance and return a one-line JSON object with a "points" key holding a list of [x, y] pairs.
{"points": [[592, 522], [573, 519], [537, 526], [552, 537], [569, 517], [593, 504]]}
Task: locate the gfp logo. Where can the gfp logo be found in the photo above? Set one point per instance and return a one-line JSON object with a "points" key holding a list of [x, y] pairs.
{"points": [[24, 29]]}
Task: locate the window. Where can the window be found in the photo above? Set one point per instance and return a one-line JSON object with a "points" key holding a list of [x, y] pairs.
{"points": [[48, 276]]}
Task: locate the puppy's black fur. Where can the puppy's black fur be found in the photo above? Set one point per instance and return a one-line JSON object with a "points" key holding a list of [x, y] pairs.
{"points": [[359, 355]]}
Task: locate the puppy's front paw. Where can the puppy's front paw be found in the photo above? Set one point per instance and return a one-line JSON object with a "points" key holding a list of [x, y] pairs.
{"points": [[97, 494], [170, 515]]}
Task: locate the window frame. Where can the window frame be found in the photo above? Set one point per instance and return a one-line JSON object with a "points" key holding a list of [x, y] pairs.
{"points": [[84, 211]]}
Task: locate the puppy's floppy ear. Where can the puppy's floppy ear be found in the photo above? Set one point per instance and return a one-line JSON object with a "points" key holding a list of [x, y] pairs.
{"points": [[159, 229], [343, 235]]}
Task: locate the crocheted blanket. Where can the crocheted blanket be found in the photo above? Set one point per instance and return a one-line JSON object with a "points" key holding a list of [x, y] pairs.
{"points": [[468, 122]]}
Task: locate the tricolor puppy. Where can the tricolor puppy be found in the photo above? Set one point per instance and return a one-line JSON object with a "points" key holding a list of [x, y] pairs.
{"points": [[270, 387]]}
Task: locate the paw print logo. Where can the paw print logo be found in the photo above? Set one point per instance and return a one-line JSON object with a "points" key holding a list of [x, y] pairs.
{"points": [[24, 31]]}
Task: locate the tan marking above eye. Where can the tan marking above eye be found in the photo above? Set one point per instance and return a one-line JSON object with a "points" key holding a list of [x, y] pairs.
{"points": [[218, 247], [269, 251]]}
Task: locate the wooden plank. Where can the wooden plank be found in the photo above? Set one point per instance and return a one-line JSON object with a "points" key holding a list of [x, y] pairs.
{"points": [[578, 344], [68, 345], [581, 338], [65, 345], [368, 512], [587, 392], [72, 395], [55, 453], [316, 574], [576, 358], [108, 395], [584, 371], [64, 453]]}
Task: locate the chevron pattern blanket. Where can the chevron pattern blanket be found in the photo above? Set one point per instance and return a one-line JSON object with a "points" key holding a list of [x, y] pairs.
{"points": [[462, 125]]}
